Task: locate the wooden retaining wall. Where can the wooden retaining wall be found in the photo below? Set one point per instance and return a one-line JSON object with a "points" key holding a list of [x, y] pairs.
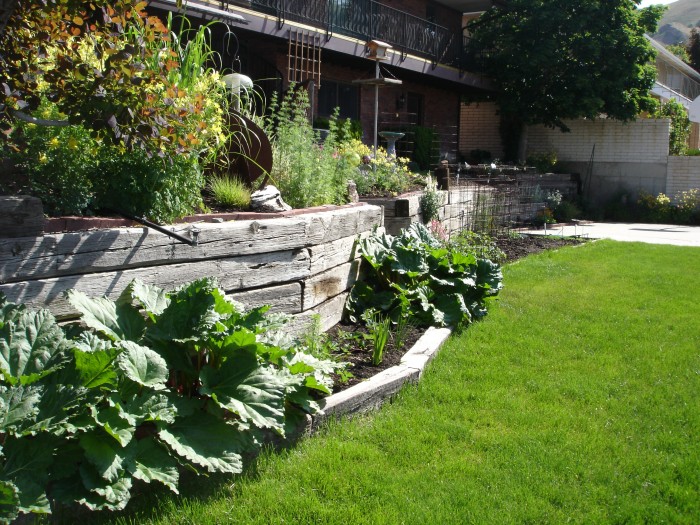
{"points": [[302, 264]]}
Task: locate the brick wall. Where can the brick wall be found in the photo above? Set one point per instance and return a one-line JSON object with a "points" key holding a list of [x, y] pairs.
{"points": [[683, 174], [479, 129], [644, 140]]}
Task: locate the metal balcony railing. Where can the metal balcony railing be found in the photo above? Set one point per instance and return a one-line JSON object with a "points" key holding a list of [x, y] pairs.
{"points": [[370, 20]]}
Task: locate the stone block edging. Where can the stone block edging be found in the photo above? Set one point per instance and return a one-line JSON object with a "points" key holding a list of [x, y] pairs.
{"points": [[371, 394]]}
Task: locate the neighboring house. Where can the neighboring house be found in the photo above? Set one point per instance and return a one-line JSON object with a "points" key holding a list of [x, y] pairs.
{"points": [[276, 42], [677, 80]]}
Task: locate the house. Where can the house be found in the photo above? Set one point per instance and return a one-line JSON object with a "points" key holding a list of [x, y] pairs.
{"points": [[322, 44], [677, 80]]}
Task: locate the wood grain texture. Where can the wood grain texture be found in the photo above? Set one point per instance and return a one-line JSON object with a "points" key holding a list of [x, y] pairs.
{"points": [[234, 273], [21, 216]]}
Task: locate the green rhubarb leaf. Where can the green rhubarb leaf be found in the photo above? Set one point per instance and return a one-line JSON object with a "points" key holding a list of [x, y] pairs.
{"points": [[96, 369], [104, 454], [208, 442], [489, 276], [19, 407], [142, 365], [151, 462], [91, 342], [26, 466], [454, 311], [58, 407], [115, 422], [153, 300], [151, 406], [190, 315], [27, 344], [104, 494], [409, 261], [116, 320], [240, 385], [377, 249], [9, 501]]}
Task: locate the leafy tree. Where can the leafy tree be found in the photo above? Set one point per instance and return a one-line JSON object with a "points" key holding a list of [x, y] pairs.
{"points": [[693, 48], [101, 63], [680, 51], [552, 60]]}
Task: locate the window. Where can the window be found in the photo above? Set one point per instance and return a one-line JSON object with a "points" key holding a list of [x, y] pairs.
{"points": [[336, 94]]}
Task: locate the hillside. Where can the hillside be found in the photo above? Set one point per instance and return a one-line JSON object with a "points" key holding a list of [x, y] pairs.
{"points": [[676, 23]]}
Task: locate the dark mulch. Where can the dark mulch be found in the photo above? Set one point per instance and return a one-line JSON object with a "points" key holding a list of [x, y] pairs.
{"points": [[354, 345], [519, 247]]}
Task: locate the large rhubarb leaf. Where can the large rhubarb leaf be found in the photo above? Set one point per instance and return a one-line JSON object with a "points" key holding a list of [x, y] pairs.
{"points": [[104, 494], [152, 299], [9, 501], [190, 315], [254, 392], [114, 422], [207, 441], [151, 406], [106, 455], [116, 320], [142, 365], [19, 407], [27, 344], [151, 462], [96, 369], [26, 466]]}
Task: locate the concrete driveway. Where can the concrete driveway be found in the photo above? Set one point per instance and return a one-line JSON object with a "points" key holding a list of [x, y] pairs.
{"points": [[649, 233]]}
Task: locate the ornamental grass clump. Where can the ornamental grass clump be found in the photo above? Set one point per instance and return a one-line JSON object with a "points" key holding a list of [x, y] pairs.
{"points": [[229, 192]]}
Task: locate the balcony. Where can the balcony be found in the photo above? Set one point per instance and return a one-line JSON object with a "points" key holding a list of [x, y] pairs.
{"points": [[370, 20]]}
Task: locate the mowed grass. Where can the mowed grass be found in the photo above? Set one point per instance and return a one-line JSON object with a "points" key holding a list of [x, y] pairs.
{"points": [[576, 400]]}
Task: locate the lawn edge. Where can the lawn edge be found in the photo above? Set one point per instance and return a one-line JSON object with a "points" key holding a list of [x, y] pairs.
{"points": [[371, 394]]}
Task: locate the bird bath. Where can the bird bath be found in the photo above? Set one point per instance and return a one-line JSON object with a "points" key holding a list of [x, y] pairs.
{"points": [[391, 137]]}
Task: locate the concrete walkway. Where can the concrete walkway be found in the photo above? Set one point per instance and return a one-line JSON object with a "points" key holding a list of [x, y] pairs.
{"points": [[649, 233]]}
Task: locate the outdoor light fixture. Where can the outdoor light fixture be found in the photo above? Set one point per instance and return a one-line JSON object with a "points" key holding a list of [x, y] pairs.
{"points": [[234, 82]]}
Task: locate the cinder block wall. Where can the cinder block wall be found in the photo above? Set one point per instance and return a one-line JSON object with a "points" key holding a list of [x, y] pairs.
{"points": [[629, 157], [683, 175], [644, 140], [478, 129]]}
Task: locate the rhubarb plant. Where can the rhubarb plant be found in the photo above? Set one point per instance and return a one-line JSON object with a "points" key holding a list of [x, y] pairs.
{"points": [[414, 274], [144, 386]]}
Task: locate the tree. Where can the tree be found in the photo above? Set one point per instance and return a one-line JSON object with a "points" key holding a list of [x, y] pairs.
{"points": [[552, 60], [693, 49]]}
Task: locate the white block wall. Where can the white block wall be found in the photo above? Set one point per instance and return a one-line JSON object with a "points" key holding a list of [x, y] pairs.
{"points": [[478, 129], [683, 174], [643, 140]]}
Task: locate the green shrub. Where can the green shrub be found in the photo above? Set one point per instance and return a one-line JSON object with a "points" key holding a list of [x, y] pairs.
{"points": [[307, 173], [481, 245], [543, 162], [377, 174], [230, 192], [429, 201], [680, 125], [566, 211], [159, 382], [692, 152], [348, 129], [425, 153]]}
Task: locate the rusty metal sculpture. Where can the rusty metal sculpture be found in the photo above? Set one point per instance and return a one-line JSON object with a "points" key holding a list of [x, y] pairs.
{"points": [[250, 152]]}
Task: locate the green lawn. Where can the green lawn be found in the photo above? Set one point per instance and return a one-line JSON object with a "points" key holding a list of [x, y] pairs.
{"points": [[577, 399]]}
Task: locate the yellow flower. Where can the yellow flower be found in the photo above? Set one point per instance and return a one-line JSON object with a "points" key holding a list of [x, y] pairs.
{"points": [[42, 158], [53, 142]]}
